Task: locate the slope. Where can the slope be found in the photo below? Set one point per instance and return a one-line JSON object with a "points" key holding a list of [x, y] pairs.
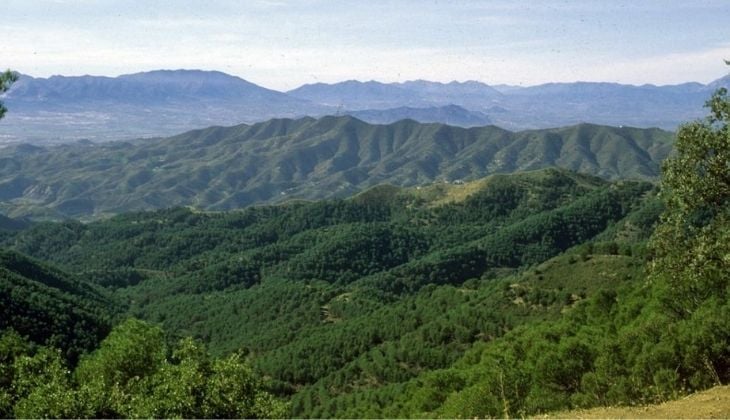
{"points": [[711, 404], [51, 307], [448, 114], [221, 168], [337, 297]]}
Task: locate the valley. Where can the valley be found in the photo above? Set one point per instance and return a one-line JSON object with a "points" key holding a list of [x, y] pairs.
{"points": [[442, 210], [396, 302], [377, 290]]}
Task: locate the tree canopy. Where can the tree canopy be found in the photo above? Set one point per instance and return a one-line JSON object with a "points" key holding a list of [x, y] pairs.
{"points": [[693, 241], [6, 79]]}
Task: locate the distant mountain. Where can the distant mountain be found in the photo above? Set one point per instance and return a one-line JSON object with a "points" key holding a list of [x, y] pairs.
{"points": [[586, 90], [148, 104], [721, 82], [230, 167], [356, 95], [449, 114], [452, 92], [547, 105], [161, 103], [605, 103], [504, 89], [155, 87]]}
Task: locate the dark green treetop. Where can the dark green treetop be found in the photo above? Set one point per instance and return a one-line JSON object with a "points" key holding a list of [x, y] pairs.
{"points": [[6, 79], [693, 241]]}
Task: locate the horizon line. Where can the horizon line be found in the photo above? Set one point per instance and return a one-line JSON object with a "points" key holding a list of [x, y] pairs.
{"points": [[372, 80]]}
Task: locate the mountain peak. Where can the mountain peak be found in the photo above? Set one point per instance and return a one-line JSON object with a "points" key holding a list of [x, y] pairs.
{"points": [[184, 75], [721, 82], [145, 88]]}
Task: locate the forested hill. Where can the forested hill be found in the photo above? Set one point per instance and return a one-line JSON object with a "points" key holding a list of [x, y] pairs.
{"points": [[422, 302], [52, 307], [221, 168], [343, 298]]}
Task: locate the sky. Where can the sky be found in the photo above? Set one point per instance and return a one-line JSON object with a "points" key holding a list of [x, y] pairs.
{"points": [[283, 44]]}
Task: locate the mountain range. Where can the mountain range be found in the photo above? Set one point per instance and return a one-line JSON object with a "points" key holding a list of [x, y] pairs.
{"points": [[398, 269], [447, 114], [222, 168], [149, 104], [165, 102]]}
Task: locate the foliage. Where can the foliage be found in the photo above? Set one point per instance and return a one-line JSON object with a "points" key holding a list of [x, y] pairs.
{"points": [[350, 297], [131, 376], [52, 307], [6, 79], [696, 186], [525, 295], [276, 161]]}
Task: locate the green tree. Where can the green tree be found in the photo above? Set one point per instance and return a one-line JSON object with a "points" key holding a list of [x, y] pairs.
{"points": [[177, 389], [692, 242], [12, 346], [6, 79], [235, 392], [43, 385], [131, 376], [113, 375]]}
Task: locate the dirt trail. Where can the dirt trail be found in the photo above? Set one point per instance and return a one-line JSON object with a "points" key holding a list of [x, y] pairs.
{"points": [[711, 404]]}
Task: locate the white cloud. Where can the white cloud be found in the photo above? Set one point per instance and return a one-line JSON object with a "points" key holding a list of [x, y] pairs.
{"points": [[703, 66], [278, 52], [74, 52]]}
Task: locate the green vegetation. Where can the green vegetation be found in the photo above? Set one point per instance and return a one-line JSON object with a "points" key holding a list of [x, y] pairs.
{"points": [[132, 375], [7, 78], [510, 296], [51, 307], [340, 298], [333, 157]]}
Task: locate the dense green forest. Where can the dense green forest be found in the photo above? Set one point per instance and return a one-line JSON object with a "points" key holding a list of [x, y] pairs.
{"points": [[224, 168], [508, 296]]}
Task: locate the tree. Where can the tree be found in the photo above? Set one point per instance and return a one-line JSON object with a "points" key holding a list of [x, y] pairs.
{"points": [[691, 268], [6, 79], [692, 242], [131, 375]]}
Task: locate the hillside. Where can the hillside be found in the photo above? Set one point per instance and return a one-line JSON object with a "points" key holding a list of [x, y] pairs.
{"points": [[408, 302], [711, 404], [368, 292], [506, 296], [51, 307], [222, 168], [448, 114]]}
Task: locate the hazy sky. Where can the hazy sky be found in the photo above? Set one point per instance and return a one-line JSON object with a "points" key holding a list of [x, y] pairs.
{"points": [[283, 44]]}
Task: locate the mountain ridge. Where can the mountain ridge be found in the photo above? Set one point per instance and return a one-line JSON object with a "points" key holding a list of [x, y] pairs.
{"points": [[162, 103], [447, 114], [145, 87], [221, 168]]}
